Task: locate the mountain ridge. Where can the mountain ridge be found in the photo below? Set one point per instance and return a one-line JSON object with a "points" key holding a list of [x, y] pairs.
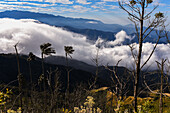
{"points": [[90, 28], [80, 23]]}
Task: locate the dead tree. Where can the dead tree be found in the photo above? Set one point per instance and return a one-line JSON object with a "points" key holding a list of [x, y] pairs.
{"points": [[161, 68], [96, 62], [137, 11], [20, 78], [121, 84]]}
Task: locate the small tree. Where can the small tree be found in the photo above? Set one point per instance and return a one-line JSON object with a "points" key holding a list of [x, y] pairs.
{"points": [[20, 77], [30, 58], [68, 51], [46, 49], [137, 11], [120, 85]]}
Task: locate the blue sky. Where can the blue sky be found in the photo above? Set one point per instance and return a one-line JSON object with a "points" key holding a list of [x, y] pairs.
{"points": [[107, 11]]}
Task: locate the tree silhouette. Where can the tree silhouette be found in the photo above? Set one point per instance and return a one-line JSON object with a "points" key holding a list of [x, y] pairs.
{"points": [[20, 77], [68, 51], [30, 58], [138, 14], [46, 49]]}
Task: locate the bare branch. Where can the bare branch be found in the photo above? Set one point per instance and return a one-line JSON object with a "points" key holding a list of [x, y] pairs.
{"points": [[150, 54], [130, 14], [148, 15], [131, 49]]}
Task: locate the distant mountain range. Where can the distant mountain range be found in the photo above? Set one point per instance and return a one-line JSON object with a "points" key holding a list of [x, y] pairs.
{"points": [[78, 23], [88, 27]]}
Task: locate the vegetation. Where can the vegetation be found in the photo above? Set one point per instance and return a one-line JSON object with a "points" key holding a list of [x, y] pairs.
{"points": [[82, 98], [47, 90], [137, 11]]}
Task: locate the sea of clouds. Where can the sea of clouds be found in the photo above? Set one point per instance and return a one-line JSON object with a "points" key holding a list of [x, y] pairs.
{"points": [[31, 34]]}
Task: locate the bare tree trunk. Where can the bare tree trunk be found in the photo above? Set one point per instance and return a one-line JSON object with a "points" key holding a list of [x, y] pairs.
{"points": [[68, 74], [161, 89], [138, 69], [44, 78], [19, 78]]}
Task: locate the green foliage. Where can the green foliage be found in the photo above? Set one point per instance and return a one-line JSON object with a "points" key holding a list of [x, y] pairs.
{"points": [[31, 57], [68, 50], [55, 98], [149, 1], [147, 107], [132, 2], [46, 49], [159, 15]]}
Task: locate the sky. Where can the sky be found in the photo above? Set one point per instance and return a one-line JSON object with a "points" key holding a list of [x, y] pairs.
{"points": [[107, 11]]}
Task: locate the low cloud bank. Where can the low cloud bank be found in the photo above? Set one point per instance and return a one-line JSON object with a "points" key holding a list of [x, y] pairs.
{"points": [[31, 35]]}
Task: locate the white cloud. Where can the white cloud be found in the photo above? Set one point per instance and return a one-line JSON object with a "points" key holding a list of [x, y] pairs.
{"points": [[28, 3], [11, 0], [60, 1], [83, 2], [32, 0], [92, 22], [31, 35], [110, 0], [95, 7], [120, 38], [80, 9], [114, 7]]}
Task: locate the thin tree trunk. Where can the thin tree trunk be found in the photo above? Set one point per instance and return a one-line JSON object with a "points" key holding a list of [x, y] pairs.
{"points": [[19, 78], [43, 74], [138, 69], [161, 90], [31, 85], [30, 73], [68, 74], [42, 63]]}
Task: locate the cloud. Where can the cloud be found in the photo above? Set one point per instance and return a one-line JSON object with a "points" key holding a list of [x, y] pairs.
{"points": [[83, 2], [114, 7], [32, 0], [60, 1], [31, 35], [80, 9], [120, 38], [95, 7], [110, 0]]}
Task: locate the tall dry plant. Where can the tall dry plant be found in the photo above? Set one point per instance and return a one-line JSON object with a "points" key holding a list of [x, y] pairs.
{"points": [[68, 51], [138, 14], [46, 49], [20, 78]]}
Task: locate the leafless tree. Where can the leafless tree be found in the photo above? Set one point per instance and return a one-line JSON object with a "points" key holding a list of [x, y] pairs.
{"points": [[20, 78], [96, 61], [137, 11], [120, 84]]}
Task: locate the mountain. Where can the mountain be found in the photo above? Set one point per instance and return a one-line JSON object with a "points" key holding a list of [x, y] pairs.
{"points": [[60, 60], [103, 73], [61, 21], [9, 71], [88, 27]]}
